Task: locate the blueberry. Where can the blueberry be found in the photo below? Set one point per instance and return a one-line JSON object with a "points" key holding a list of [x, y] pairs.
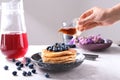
{"points": [[56, 44], [34, 71], [47, 75], [63, 44], [24, 73], [26, 64], [18, 68], [14, 73], [28, 60], [49, 48], [18, 63], [13, 60], [63, 48], [71, 45], [58, 49], [118, 44], [29, 73], [31, 66], [6, 67], [21, 65], [66, 47]]}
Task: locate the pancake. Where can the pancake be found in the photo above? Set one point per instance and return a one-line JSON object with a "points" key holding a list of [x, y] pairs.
{"points": [[58, 54], [60, 62], [59, 59]]}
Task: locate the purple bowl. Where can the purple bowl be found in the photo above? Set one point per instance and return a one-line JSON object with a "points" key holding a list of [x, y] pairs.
{"points": [[96, 47]]}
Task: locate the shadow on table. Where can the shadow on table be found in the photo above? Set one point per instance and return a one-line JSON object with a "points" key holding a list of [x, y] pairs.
{"points": [[81, 72], [111, 50]]}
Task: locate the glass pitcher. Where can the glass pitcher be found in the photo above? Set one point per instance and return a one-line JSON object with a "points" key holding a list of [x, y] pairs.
{"points": [[14, 42]]}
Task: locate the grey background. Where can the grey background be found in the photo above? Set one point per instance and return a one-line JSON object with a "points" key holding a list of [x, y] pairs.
{"points": [[44, 18]]}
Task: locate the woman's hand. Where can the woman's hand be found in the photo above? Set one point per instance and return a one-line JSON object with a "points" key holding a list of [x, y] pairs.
{"points": [[98, 17]]}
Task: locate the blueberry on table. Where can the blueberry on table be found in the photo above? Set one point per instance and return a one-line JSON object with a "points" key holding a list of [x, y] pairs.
{"points": [[31, 66], [13, 60], [14, 73], [28, 60], [6, 67], [47, 75], [24, 73], [26, 64], [21, 65], [34, 71], [29, 73], [18, 68], [18, 63]]}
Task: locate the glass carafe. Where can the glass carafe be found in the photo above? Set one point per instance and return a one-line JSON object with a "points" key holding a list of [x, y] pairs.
{"points": [[14, 42]]}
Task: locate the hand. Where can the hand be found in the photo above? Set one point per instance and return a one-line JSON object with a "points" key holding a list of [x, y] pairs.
{"points": [[96, 17]]}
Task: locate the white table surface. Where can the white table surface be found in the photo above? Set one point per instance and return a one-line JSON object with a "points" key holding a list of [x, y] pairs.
{"points": [[106, 67]]}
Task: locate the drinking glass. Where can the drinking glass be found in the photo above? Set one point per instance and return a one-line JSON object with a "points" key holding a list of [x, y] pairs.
{"points": [[68, 23], [14, 42]]}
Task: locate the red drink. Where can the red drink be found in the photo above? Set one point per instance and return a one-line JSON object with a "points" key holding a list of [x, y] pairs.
{"points": [[14, 45]]}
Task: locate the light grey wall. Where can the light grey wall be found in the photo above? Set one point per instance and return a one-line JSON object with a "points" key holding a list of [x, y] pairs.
{"points": [[44, 18]]}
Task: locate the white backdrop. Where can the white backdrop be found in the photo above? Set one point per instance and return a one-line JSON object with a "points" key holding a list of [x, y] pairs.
{"points": [[44, 18]]}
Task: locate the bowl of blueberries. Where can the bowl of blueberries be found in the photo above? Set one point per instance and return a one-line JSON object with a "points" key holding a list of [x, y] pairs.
{"points": [[92, 43]]}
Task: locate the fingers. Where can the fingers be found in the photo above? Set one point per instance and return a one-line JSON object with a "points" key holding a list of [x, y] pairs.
{"points": [[88, 26], [86, 17], [86, 14]]}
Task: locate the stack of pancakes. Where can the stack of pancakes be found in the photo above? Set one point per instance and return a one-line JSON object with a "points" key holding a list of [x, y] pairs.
{"points": [[66, 56]]}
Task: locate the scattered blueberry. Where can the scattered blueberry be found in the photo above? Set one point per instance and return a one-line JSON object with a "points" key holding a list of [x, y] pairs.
{"points": [[14, 73], [6, 67], [18, 63], [18, 68], [21, 65], [24, 73], [47, 75], [34, 71], [13, 60], [31, 66], [28, 60], [29, 73], [26, 64]]}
